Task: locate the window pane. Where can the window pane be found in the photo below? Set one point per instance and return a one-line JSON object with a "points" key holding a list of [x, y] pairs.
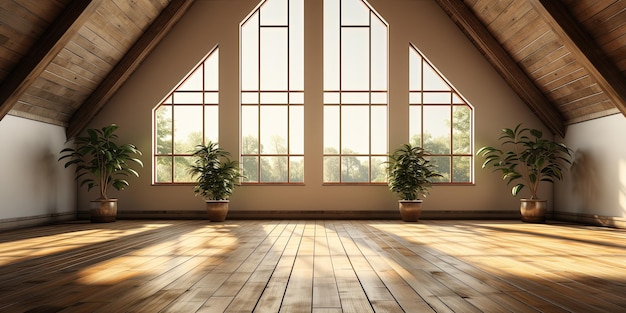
{"points": [[437, 129], [164, 129], [273, 169], [250, 168], [250, 129], [432, 80], [379, 98], [355, 63], [331, 169], [193, 82], [461, 169], [456, 99], [296, 97], [331, 98], [379, 172], [379, 129], [442, 166], [355, 128], [249, 54], [296, 169], [415, 98], [415, 70], [211, 72], [274, 58], [355, 97], [211, 98], [437, 98], [461, 129], [249, 98], [163, 169], [274, 98], [354, 169], [187, 128], [274, 13], [379, 54], [354, 12], [331, 130], [296, 130], [415, 125], [188, 98], [331, 45], [211, 123], [181, 169], [274, 130], [296, 45]]}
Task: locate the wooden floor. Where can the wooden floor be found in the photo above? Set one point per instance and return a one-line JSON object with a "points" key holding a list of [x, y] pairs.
{"points": [[313, 266]]}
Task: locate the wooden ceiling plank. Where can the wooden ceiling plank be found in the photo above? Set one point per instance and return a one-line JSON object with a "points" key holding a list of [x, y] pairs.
{"points": [[585, 50], [129, 63], [44, 51], [504, 64]]}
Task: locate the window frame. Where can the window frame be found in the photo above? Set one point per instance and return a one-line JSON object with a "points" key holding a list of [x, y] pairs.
{"points": [[461, 102], [291, 93], [169, 100], [340, 104]]}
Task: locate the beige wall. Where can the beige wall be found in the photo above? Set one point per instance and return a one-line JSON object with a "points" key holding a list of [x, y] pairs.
{"points": [[595, 187], [35, 188], [212, 22]]}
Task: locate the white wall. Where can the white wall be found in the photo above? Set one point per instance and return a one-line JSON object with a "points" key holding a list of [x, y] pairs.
{"points": [[213, 22], [35, 187], [596, 183]]}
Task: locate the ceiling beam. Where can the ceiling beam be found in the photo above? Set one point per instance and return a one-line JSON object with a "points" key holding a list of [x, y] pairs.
{"points": [[584, 49], [44, 51], [127, 65], [467, 21]]}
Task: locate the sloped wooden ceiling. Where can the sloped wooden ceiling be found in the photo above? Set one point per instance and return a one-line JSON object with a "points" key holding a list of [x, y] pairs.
{"points": [[572, 51], [61, 60]]}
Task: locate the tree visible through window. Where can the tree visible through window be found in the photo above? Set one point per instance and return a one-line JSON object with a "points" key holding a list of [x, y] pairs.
{"points": [[355, 93], [186, 118], [272, 93], [440, 120]]}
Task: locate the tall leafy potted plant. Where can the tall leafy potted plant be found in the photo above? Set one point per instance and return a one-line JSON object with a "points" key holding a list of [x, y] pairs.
{"points": [[101, 162], [527, 159], [216, 177], [410, 176]]}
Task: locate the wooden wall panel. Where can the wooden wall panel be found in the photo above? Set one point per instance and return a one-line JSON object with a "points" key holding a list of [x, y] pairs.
{"points": [[556, 71]]}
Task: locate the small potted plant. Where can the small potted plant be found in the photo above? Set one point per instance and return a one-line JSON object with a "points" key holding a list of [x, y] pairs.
{"points": [[410, 176], [527, 160], [101, 162], [216, 177]]}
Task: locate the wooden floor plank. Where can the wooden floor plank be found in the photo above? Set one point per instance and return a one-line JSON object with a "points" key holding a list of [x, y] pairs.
{"points": [[313, 266]]}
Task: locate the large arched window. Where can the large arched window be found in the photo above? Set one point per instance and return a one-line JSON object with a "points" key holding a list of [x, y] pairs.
{"points": [[187, 117], [355, 93], [272, 93], [440, 120]]}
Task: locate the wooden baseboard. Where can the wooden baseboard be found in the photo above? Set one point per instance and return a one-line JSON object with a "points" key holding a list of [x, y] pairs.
{"points": [[22, 222], [590, 219], [318, 214]]}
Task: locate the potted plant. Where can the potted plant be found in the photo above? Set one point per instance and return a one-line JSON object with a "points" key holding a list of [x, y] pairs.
{"points": [[409, 176], [527, 160], [101, 162], [216, 175]]}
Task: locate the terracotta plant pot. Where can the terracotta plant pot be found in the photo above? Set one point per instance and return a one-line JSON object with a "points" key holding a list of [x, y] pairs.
{"points": [[217, 210], [103, 211], [410, 210], [533, 210]]}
